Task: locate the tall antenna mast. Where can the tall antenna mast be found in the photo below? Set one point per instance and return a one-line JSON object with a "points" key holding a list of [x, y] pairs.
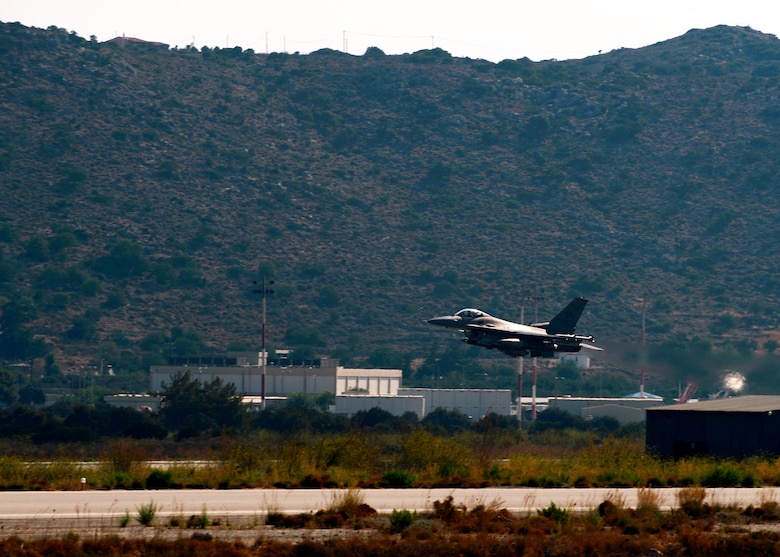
{"points": [[520, 360], [644, 351], [537, 297]]}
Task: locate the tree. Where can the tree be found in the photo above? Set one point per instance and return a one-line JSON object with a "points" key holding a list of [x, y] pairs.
{"points": [[83, 328], [186, 342], [298, 335], [536, 127], [30, 394], [442, 420], [16, 342], [8, 393], [567, 369], [328, 297], [189, 407], [385, 357], [375, 418], [38, 249], [125, 259]]}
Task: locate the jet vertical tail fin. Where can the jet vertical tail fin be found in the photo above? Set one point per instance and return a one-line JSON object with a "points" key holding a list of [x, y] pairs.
{"points": [[566, 321]]}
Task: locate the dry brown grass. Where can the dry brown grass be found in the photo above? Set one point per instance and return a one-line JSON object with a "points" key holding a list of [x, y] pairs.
{"points": [[348, 460], [648, 500], [485, 529]]}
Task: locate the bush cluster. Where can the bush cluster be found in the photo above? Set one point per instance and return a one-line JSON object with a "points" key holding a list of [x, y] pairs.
{"points": [[300, 446]]}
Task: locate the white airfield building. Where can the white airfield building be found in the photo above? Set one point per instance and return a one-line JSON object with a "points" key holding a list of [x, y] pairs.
{"points": [[355, 389], [358, 389], [284, 375]]}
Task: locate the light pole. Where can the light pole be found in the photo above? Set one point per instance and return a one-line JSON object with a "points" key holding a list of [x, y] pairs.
{"points": [[520, 392], [520, 374], [264, 292], [537, 297]]}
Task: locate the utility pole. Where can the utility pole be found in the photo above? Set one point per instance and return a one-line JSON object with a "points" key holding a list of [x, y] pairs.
{"points": [[264, 291], [520, 375], [644, 351], [537, 297]]}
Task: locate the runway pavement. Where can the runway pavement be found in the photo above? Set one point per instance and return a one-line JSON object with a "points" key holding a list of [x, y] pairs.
{"points": [[254, 504]]}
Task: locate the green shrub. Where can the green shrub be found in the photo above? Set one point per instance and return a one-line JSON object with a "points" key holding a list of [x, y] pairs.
{"points": [[118, 480], [147, 514], [398, 478], [199, 521], [159, 479], [556, 513], [721, 476], [401, 520]]}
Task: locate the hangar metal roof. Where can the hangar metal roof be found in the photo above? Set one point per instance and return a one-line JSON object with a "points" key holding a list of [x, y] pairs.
{"points": [[750, 403]]}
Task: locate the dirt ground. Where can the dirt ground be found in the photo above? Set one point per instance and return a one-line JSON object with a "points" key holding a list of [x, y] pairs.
{"points": [[244, 531]]}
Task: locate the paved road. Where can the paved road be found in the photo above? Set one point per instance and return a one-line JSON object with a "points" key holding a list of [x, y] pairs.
{"points": [[249, 503]]}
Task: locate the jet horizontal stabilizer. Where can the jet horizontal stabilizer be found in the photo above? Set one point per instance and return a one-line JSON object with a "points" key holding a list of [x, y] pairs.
{"points": [[591, 347]]}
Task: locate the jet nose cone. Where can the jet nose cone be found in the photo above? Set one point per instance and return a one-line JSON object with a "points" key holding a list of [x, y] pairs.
{"points": [[445, 321]]}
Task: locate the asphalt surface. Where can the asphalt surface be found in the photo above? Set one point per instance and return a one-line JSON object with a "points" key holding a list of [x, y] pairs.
{"points": [[239, 515], [254, 504]]}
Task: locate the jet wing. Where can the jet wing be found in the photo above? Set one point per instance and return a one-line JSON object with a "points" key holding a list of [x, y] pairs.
{"points": [[511, 346], [518, 331], [508, 343]]}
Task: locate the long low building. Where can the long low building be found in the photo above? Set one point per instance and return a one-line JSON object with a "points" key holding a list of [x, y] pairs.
{"points": [[624, 409], [134, 401], [726, 427], [282, 375], [397, 405], [474, 403]]}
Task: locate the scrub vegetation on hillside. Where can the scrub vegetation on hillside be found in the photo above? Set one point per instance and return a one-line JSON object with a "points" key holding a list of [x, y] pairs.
{"points": [[145, 189]]}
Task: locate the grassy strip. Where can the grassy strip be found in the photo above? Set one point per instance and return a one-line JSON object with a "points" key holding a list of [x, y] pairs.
{"points": [[414, 459]]}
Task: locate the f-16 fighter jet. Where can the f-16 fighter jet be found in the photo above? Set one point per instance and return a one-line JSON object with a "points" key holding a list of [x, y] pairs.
{"points": [[541, 340]]}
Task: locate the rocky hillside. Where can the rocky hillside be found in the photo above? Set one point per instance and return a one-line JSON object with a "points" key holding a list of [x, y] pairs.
{"points": [[145, 189]]}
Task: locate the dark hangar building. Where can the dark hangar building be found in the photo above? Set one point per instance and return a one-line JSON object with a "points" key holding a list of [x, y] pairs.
{"points": [[726, 427]]}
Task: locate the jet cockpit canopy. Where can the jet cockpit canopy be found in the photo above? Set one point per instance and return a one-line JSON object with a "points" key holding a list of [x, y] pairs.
{"points": [[470, 313]]}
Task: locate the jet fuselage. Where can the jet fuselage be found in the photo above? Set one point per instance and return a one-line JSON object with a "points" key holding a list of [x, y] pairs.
{"points": [[515, 339]]}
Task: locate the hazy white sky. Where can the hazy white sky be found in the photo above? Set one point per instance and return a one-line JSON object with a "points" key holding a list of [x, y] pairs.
{"points": [[489, 29]]}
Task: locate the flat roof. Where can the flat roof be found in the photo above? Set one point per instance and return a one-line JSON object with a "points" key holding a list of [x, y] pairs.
{"points": [[749, 403], [369, 395], [457, 390], [601, 398]]}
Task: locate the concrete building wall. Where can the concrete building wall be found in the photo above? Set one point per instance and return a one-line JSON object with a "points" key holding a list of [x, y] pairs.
{"points": [[372, 381], [576, 405], [623, 414], [396, 405], [474, 403], [311, 380]]}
